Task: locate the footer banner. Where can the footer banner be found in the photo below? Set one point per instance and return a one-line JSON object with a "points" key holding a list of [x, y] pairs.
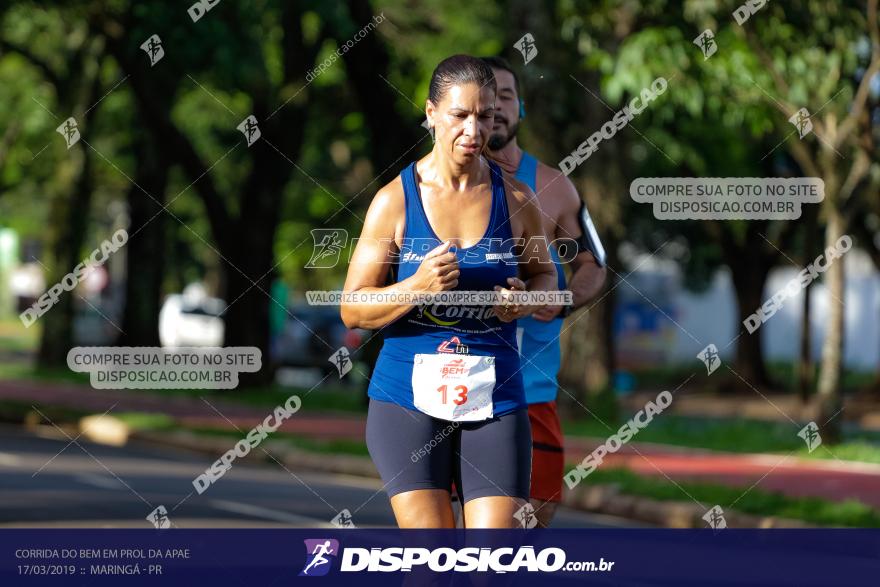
{"points": [[280, 557]]}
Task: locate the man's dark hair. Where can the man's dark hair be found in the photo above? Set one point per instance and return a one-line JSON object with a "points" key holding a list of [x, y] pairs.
{"points": [[498, 62], [456, 70]]}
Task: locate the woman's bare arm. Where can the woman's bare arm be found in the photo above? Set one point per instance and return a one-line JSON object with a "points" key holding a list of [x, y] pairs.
{"points": [[371, 261]]}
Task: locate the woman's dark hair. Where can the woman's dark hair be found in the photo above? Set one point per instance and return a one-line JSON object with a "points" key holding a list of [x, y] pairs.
{"points": [[457, 70]]}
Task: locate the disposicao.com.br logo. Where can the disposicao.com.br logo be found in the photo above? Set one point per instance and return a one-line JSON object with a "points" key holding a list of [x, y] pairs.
{"points": [[320, 553]]}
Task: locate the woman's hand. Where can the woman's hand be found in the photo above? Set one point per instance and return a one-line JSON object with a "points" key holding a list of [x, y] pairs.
{"points": [[438, 271], [507, 310]]}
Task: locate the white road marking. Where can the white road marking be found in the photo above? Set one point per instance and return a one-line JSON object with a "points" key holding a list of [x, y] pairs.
{"points": [[268, 514], [98, 481], [9, 460]]}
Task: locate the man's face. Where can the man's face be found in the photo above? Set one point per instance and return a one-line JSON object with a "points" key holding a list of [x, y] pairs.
{"points": [[506, 110]]}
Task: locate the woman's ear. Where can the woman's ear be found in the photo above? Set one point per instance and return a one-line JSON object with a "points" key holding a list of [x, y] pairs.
{"points": [[430, 112]]}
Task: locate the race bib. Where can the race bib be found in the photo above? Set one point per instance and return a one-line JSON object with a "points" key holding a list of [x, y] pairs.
{"points": [[457, 388]]}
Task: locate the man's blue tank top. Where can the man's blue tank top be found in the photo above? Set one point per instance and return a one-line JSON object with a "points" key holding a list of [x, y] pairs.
{"points": [[527, 173], [539, 341], [477, 331]]}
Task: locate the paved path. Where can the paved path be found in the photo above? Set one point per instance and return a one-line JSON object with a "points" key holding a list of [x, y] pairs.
{"points": [[832, 479]]}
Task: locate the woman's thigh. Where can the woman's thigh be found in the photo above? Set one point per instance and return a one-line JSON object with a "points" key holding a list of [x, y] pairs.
{"points": [[423, 508], [413, 454], [494, 468]]}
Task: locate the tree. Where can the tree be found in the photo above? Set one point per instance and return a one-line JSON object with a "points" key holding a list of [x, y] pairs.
{"points": [[243, 218], [75, 76]]}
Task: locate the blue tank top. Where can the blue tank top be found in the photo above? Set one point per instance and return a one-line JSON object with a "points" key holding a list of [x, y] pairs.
{"points": [[475, 329], [527, 173]]}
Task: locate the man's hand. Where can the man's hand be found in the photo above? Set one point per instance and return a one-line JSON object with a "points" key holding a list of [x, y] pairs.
{"points": [[546, 313]]}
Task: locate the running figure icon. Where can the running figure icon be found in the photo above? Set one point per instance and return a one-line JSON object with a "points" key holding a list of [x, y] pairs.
{"points": [[319, 556]]}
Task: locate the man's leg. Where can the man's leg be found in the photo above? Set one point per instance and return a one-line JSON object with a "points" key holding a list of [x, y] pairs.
{"points": [[548, 461]]}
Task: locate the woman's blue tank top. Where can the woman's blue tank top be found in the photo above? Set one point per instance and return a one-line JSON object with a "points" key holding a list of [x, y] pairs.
{"points": [[431, 329]]}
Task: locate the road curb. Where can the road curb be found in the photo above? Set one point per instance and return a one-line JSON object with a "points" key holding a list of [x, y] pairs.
{"points": [[607, 499], [604, 499]]}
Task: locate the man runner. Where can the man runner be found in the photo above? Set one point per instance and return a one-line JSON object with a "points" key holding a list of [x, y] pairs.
{"points": [[564, 216]]}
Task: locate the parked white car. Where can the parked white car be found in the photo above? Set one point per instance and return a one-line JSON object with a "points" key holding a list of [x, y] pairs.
{"points": [[191, 319]]}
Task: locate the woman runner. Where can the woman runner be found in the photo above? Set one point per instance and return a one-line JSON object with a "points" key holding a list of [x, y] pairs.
{"points": [[446, 397]]}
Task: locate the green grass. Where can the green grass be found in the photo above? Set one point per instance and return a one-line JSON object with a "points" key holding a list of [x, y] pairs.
{"points": [[330, 396], [21, 370], [337, 446], [712, 433], [16, 412], [861, 451], [735, 435], [783, 374], [756, 501], [146, 420], [161, 422], [327, 397], [15, 337]]}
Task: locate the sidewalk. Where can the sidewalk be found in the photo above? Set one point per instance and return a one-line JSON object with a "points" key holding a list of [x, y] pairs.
{"points": [[832, 480]]}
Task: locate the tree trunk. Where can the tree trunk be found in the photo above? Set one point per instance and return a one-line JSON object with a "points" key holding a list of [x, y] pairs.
{"points": [[750, 265], [247, 315], [829, 393], [804, 368], [248, 258], [69, 216], [749, 286], [145, 251]]}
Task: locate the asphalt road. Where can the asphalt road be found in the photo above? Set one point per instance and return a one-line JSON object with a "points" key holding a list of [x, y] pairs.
{"points": [[48, 481]]}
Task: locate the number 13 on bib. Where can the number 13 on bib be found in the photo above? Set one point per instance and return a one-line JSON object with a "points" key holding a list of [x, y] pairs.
{"points": [[456, 388]]}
